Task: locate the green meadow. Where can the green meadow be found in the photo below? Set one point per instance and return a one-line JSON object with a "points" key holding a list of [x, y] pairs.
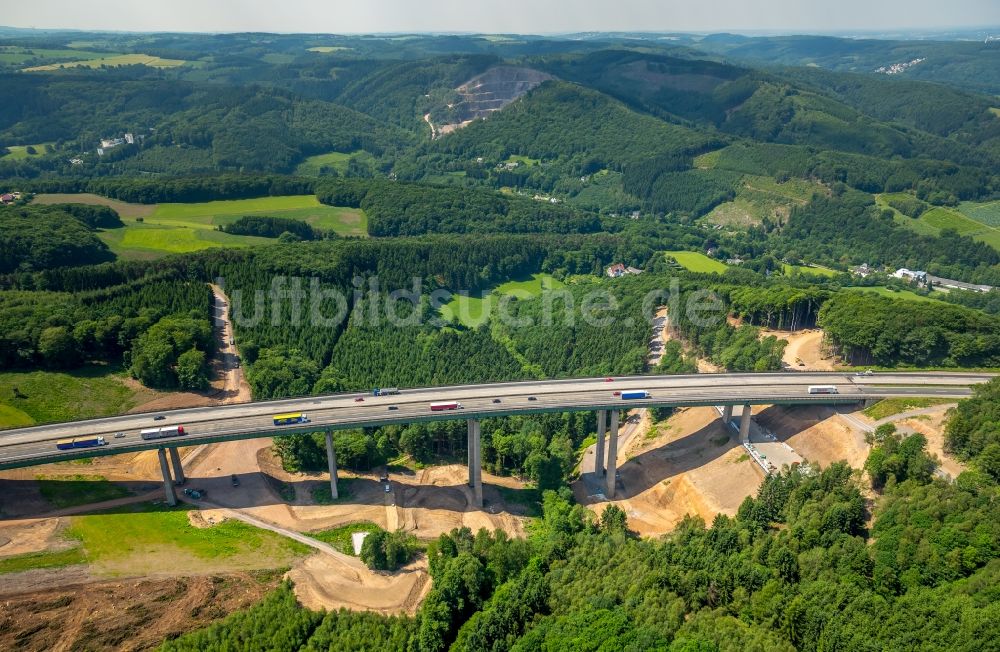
{"points": [[472, 311], [151, 231], [695, 261], [17, 152], [148, 538], [895, 294], [816, 270], [27, 398], [338, 161]]}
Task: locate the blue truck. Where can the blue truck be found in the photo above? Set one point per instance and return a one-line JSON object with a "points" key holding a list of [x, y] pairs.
{"points": [[636, 393], [80, 442]]}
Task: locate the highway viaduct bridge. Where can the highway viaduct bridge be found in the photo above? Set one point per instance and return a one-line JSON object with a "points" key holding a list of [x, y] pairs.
{"points": [[35, 445]]}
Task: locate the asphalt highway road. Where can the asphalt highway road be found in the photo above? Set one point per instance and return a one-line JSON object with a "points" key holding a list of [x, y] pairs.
{"points": [[37, 444]]}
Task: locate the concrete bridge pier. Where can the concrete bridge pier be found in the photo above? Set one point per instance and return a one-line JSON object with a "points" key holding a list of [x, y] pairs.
{"points": [[612, 468], [475, 462], [175, 461], [745, 416], [602, 426], [331, 460], [727, 415], [168, 483]]}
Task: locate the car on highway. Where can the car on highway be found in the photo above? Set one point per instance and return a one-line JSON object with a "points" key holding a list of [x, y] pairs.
{"points": [[393, 407], [866, 372], [119, 435], [359, 399], [609, 380], [235, 480], [496, 400], [159, 417], [532, 398], [388, 488], [616, 394]]}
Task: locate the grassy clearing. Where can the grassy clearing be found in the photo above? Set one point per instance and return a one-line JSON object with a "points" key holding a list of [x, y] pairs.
{"points": [[977, 220], [182, 228], [47, 396], [523, 160], [340, 537], [112, 61], [816, 270], [20, 152], [995, 111], [763, 197], [890, 406], [335, 160], [30, 561], [893, 293], [148, 537], [697, 262], [326, 49], [945, 218], [740, 213], [472, 311], [70, 491]]}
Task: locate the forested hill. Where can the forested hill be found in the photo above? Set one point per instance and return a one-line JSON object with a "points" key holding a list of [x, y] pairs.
{"points": [[580, 128], [970, 64], [180, 127], [843, 112]]}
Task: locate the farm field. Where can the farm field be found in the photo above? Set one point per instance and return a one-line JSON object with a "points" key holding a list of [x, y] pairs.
{"points": [[183, 228], [886, 292], [112, 60], [326, 49], [694, 261], [471, 311], [15, 55], [47, 396], [987, 213]]}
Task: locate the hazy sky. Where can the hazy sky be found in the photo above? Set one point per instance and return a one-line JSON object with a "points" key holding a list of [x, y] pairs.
{"points": [[523, 16]]}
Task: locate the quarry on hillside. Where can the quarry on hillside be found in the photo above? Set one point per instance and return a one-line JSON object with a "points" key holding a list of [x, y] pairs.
{"points": [[484, 94]]}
